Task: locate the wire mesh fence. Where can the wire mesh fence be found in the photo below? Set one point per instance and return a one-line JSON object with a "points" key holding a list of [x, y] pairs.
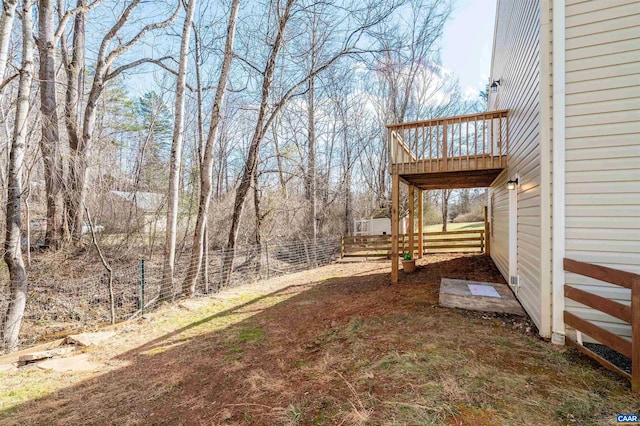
{"points": [[54, 305]]}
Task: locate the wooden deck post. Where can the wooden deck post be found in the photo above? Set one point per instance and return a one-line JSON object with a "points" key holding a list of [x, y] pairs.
{"points": [[420, 224], [395, 201], [487, 234], [412, 217], [635, 335]]}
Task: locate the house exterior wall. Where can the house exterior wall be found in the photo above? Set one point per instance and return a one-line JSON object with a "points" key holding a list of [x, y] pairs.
{"points": [[601, 154], [516, 63], [602, 145]]}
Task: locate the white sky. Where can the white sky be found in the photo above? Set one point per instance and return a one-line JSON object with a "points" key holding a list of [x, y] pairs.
{"points": [[467, 42]]}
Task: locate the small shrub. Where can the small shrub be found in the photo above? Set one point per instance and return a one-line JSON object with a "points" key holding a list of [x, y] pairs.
{"points": [[469, 217]]}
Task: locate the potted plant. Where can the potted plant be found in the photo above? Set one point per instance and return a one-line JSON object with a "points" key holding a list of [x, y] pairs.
{"points": [[408, 264]]}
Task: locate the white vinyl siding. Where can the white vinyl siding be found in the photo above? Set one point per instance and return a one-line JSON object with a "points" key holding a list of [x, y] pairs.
{"points": [[516, 62], [603, 145]]}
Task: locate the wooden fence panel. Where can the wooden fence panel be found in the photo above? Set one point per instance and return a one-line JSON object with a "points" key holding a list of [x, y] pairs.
{"points": [[628, 313], [376, 246]]}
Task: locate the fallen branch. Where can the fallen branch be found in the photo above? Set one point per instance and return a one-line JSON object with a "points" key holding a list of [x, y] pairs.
{"points": [[105, 264]]}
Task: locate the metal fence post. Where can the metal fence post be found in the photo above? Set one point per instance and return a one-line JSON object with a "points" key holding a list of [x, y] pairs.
{"points": [[221, 267], [307, 253], [142, 286]]}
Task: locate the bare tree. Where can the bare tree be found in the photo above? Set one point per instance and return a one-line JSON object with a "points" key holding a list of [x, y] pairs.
{"points": [[6, 25], [50, 135], [13, 251], [48, 36], [166, 291], [252, 158], [103, 73], [74, 66], [445, 195], [176, 156], [294, 126], [367, 16], [406, 69], [311, 182], [206, 172]]}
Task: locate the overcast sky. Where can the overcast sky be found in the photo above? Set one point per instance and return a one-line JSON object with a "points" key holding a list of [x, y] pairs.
{"points": [[468, 40]]}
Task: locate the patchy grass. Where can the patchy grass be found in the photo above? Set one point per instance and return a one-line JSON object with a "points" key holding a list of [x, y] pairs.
{"points": [[465, 226], [336, 345], [12, 396], [250, 334]]}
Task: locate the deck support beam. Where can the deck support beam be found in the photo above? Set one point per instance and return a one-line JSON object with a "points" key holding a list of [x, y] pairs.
{"points": [[412, 217], [395, 201], [420, 224]]}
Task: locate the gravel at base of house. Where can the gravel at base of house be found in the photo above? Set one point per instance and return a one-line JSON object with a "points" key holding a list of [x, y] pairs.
{"points": [[614, 357]]}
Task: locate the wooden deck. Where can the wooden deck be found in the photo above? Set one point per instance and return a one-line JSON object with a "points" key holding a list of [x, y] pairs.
{"points": [[468, 151], [454, 152], [452, 180], [455, 164]]}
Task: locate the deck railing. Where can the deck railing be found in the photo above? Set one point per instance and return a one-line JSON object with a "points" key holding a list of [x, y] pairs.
{"points": [[465, 142], [628, 313], [372, 246]]}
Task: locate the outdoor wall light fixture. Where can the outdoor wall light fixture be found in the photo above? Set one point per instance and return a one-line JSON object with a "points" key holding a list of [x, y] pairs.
{"points": [[494, 86], [512, 184]]}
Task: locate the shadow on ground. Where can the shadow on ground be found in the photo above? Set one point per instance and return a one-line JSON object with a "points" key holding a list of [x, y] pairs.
{"points": [[348, 350]]}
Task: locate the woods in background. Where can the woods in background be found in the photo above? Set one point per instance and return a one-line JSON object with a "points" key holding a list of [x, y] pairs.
{"points": [[195, 124]]}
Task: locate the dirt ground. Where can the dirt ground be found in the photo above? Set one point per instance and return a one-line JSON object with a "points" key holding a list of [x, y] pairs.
{"points": [[335, 345]]}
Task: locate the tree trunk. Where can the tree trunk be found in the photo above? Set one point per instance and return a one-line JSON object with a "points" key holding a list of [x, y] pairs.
{"points": [[311, 170], [12, 319], [6, 25], [256, 205], [311, 133], [78, 168], [75, 66], [203, 262], [348, 219], [254, 147], [79, 164], [50, 140], [199, 95], [238, 205], [446, 193], [257, 223], [176, 158], [206, 171], [383, 197], [281, 179], [27, 216]]}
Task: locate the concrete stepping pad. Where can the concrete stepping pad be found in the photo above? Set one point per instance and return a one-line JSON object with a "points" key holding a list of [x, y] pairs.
{"points": [[479, 296], [70, 364]]}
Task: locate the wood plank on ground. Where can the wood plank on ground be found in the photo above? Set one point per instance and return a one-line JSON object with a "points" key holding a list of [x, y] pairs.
{"points": [[36, 356], [456, 294]]}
